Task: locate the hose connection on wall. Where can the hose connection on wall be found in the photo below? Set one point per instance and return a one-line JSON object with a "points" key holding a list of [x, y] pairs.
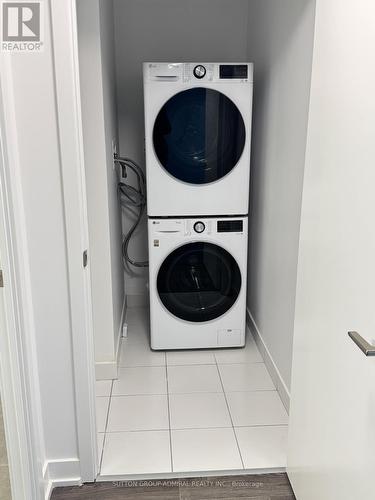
{"points": [[133, 198]]}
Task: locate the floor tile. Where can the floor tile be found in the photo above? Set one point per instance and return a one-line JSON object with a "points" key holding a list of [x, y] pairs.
{"points": [[247, 354], [205, 450], [101, 413], [137, 336], [138, 439], [136, 453], [138, 316], [263, 447], [256, 408], [140, 380], [140, 354], [134, 413], [103, 387], [189, 411], [189, 379], [246, 377], [138, 321], [195, 357]]}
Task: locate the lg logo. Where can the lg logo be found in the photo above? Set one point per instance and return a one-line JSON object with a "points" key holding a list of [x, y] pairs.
{"points": [[21, 26]]}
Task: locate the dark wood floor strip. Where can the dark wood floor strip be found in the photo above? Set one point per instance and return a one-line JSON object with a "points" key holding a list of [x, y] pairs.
{"points": [[251, 487]]}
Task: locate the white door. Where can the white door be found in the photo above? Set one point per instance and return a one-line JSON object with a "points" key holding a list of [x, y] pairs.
{"points": [[332, 427]]}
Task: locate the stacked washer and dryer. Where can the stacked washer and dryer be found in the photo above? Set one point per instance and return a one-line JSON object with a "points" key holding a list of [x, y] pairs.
{"points": [[198, 134]]}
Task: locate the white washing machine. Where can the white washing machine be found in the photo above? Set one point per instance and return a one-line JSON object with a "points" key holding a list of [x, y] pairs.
{"points": [[197, 282], [198, 135]]}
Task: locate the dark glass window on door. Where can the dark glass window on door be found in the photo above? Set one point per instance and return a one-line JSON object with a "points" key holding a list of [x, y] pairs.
{"points": [[199, 282], [199, 135]]}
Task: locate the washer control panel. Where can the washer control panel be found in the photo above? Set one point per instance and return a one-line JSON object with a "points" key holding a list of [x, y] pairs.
{"points": [[199, 227]]}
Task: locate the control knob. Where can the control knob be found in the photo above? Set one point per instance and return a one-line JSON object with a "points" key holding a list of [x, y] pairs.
{"points": [[199, 227], [199, 71]]}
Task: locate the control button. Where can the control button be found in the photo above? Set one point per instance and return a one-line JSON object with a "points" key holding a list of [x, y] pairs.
{"points": [[199, 71], [199, 227]]}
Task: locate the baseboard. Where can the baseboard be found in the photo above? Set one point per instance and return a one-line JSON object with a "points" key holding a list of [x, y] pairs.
{"points": [[108, 370], [48, 490], [269, 361], [120, 328], [61, 473]]}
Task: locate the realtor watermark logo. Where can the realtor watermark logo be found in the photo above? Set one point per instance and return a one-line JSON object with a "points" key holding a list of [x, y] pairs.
{"points": [[22, 26]]}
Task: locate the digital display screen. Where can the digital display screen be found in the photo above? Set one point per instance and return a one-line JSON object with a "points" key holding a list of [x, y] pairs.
{"points": [[229, 226], [233, 71]]}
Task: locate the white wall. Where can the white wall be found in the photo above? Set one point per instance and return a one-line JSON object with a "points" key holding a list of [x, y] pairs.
{"points": [[280, 44], [97, 75], [111, 132], [167, 30]]}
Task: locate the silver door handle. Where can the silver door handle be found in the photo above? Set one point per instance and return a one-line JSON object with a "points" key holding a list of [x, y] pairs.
{"points": [[366, 348]]}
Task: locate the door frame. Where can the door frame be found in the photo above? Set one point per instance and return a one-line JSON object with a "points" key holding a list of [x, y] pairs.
{"points": [[68, 103], [19, 383]]}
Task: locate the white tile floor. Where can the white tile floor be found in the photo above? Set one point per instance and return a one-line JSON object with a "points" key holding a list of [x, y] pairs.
{"points": [[188, 411]]}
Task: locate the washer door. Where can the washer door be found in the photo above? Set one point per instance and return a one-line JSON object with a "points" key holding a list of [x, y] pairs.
{"points": [[199, 282], [199, 135]]}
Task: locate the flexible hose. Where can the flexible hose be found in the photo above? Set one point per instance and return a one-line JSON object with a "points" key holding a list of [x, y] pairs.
{"points": [[130, 196]]}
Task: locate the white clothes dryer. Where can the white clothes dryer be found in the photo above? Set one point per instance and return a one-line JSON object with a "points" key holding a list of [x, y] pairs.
{"points": [[198, 136], [198, 282]]}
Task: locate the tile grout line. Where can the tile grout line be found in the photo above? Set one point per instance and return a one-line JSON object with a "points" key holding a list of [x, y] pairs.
{"points": [[184, 393], [172, 365], [230, 414], [169, 413], [105, 428]]}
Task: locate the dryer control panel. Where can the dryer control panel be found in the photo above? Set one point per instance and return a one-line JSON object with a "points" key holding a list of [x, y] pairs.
{"points": [[199, 72], [192, 227]]}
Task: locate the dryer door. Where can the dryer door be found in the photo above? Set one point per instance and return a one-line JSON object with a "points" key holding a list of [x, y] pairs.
{"points": [[199, 282], [199, 135]]}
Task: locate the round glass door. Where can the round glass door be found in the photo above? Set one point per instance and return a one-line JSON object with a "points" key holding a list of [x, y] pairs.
{"points": [[199, 282], [199, 135]]}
